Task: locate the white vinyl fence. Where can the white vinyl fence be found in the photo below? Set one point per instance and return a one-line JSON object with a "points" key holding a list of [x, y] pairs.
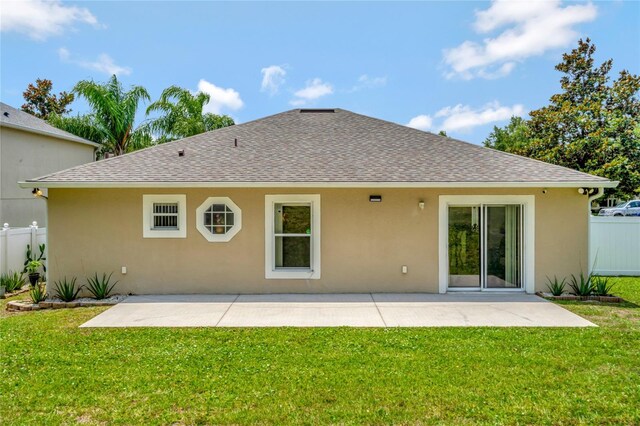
{"points": [[615, 245], [13, 246]]}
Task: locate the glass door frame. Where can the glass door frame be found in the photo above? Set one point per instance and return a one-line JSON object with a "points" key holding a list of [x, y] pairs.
{"points": [[527, 235]]}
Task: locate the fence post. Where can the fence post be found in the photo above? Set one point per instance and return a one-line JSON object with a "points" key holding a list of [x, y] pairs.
{"points": [[4, 240]]}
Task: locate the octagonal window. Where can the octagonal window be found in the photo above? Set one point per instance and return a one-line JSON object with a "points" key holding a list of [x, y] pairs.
{"points": [[218, 219]]}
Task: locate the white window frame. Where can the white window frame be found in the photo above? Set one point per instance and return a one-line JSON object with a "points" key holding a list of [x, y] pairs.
{"points": [[271, 272], [528, 203], [147, 216], [219, 238]]}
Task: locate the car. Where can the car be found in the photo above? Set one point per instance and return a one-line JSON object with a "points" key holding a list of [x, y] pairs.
{"points": [[628, 208]]}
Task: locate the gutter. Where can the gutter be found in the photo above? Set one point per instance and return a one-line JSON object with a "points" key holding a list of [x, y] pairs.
{"points": [[173, 184]]}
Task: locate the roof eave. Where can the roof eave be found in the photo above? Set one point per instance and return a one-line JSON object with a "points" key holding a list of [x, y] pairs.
{"points": [[530, 184], [70, 138]]}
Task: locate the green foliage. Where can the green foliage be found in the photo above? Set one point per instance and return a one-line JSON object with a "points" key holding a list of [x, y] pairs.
{"points": [[100, 288], [182, 115], [30, 256], [84, 126], [112, 118], [33, 266], [602, 286], [12, 281], [42, 103], [38, 293], [591, 126], [582, 285], [555, 286], [270, 375], [66, 290], [513, 138]]}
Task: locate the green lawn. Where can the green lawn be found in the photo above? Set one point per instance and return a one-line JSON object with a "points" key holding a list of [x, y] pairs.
{"points": [[55, 373]]}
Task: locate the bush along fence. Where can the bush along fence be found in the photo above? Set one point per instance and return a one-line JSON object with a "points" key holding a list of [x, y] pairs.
{"points": [[585, 288], [66, 292]]}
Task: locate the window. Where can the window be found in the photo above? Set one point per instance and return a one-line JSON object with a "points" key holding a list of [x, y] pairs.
{"points": [[164, 216], [292, 236], [218, 219]]}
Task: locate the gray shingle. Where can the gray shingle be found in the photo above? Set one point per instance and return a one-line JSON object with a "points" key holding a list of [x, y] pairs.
{"points": [[12, 117], [319, 147]]}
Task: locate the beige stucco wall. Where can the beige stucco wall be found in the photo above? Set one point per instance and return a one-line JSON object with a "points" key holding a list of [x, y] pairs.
{"points": [[25, 155], [364, 245]]}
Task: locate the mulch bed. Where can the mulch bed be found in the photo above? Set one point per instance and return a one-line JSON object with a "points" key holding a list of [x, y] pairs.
{"points": [[603, 299], [27, 305]]}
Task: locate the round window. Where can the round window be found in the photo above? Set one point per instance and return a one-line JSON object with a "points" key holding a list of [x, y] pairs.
{"points": [[218, 219]]}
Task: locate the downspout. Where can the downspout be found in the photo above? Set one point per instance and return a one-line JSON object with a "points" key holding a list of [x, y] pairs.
{"points": [[598, 194]]}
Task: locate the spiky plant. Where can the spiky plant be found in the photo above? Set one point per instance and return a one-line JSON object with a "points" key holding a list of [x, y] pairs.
{"points": [[100, 288], [555, 286], [66, 289]]}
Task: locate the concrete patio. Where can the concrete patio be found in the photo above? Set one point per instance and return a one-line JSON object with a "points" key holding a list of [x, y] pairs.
{"points": [[336, 310]]}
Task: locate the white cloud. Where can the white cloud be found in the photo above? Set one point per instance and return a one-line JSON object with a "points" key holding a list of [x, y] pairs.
{"points": [[220, 98], [421, 122], [41, 19], [313, 90], [272, 79], [529, 28], [463, 118], [366, 82], [104, 63]]}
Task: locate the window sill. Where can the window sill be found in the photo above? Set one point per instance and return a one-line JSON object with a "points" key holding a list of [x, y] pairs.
{"points": [[292, 274]]}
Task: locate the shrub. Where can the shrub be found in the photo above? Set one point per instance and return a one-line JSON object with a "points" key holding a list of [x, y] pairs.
{"points": [[556, 287], [66, 290], [11, 281], [33, 266], [99, 287], [602, 286], [38, 293], [581, 286]]}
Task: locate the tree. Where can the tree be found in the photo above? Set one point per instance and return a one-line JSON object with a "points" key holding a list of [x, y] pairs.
{"points": [[513, 138], [591, 126], [111, 121], [41, 102], [182, 115]]}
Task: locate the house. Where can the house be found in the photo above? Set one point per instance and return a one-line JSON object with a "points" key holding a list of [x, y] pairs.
{"points": [[313, 201], [31, 147]]}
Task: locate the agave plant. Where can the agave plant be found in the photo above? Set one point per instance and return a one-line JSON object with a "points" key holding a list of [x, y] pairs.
{"points": [[602, 286], [38, 293], [12, 281], [556, 287], [66, 289], [100, 288], [582, 285]]}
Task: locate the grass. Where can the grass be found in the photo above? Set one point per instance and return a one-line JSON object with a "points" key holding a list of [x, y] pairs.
{"points": [[52, 372]]}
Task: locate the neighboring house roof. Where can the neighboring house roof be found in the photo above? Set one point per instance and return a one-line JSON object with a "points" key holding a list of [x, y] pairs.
{"points": [[17, 119], [318, 148]]}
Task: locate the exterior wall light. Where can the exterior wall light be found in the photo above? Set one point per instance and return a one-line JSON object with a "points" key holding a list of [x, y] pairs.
{"points": [[37, 192], [421, 205], [375, 198]]}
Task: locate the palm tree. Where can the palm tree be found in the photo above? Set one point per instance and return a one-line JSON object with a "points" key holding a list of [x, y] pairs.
{"points": [[111, 121], [182, 115]]}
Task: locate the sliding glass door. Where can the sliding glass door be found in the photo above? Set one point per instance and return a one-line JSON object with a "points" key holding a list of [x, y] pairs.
{"points": [[485, 247]]}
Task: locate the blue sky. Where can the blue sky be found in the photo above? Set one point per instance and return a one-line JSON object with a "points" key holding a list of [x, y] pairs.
{"points": [[459, 66]]}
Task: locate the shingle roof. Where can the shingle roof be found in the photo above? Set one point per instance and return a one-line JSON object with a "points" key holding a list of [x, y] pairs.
{"points": [[17, 119], [307, 147]]}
